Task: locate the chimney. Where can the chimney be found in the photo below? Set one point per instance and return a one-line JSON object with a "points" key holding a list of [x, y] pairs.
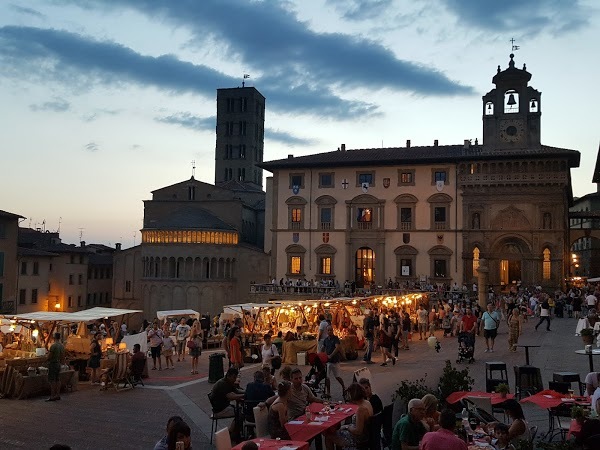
{"points": [[82, 243], [290, 156], [408, 143], [435, 143], [467, 143], [343, 147], [117, 246]]}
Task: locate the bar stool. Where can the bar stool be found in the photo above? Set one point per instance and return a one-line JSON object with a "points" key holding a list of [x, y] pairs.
{"points": [[568, 377], [528, 380], [495, 373]]}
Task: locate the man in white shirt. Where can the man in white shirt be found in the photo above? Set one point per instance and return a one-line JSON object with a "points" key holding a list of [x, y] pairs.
{"points": [[181, 334], [591, 301], [592, 381], [322, 332]]}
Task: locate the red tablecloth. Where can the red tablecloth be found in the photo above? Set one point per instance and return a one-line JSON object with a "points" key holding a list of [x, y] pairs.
{"points": [[574, 429], [273, 444], [551, 399], [305, 431], [496, 398]]}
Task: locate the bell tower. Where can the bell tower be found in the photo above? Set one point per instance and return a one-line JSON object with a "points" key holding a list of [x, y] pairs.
{"points": [[512, 111]]}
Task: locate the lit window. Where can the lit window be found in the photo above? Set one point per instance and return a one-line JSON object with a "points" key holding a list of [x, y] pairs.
{"points": [[475, 260], [296, 214], [406, 177], [295, 264], [365, 215], [325, 265], [546, 265]]}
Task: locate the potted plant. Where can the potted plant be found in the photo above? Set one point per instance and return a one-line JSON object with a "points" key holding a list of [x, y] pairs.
{"points": [[502, 389], [587, 335], [453, 380], [578, 413], [406, 391]]}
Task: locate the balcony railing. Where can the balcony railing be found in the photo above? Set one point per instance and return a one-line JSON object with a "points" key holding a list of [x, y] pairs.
{"points": [[406, 225], [7, 307], [440, 225], [365, 225], [278, 289], [325, 225], [296, 225]]}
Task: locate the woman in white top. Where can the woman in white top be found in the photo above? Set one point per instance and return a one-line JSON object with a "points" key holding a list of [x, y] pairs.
{"points": [[518, 430], [269, 352]]}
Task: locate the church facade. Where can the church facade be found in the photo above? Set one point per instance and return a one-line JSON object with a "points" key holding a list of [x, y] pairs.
{"points": [[430, 213]]}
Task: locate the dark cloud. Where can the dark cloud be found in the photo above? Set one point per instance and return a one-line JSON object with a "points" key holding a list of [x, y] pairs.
{"points": [[91, 147], [525, 17], [27, 11], [287, 138], [360, 9], [56, 105], [188, 120], [263, 35], [79, 62]]}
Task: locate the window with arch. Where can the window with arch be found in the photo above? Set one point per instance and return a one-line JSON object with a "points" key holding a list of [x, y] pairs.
{"points": [[325, 261], [295, 260], [406, 204], [440, 211], [296, 207], [406, 258], [475, 260], [546, 265], [489, 109], [326, 208]]}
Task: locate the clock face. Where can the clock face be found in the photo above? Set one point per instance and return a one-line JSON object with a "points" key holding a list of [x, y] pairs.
{"points": [[512, 130]]}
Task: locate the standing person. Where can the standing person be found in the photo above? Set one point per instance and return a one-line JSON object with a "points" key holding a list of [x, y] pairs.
{"points": [[406, 329], [514, 329], [544, 314], [591, 300], [422, 316], [385, 341], [577, 306], [235, 348], [396, 332], [468, 323], [195, 349], [270, 355], [369, 330], [333, 348], [56, 357], [182, 332], [155, 335], [322, 331], [95, 356], [489, 322], [168, 348]]}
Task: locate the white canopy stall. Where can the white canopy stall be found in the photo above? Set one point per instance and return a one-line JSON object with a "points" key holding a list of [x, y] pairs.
{"points": [[162, 315]]}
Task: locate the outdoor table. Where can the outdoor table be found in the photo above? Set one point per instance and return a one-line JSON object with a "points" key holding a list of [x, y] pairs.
{"points": [[495, 397], [273, 444], [526, 347], [591, 353], [29, 385], [290, 348], [302, 430]]}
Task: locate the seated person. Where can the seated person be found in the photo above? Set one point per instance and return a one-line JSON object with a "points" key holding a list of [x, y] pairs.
{"points": [[289, 336], [286, 373], [444, 437], [355, 435], [163, 443], [432, 415], [409, 430], [223, 392], [300, 396], [278, 413], [249, 445], [592, 381], [137, 363], [502, 436], [376, 402], [257, 392]]}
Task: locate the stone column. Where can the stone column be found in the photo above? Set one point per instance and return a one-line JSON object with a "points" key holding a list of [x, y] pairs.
{"points": [[482, 281]]}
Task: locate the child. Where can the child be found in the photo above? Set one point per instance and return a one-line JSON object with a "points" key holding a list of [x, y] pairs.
{"points": [[501, 433], [447, 327], [167, 351]]}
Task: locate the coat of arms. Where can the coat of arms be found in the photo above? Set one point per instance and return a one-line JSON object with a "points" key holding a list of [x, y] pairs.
{"points": [[295, 237], [325, 238], [386, 183], [295, 189], [406, 238], [365, 187]]}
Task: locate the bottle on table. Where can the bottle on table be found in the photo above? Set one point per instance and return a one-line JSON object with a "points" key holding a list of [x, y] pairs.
{"points": [[308, 413]]}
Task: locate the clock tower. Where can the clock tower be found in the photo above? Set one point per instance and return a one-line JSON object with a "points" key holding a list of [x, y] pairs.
{"points": [[511, 111]]}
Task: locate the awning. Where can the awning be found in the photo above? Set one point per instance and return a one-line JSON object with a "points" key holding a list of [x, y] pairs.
{"points": [[593, 280], [177, 313], [80, 316]]}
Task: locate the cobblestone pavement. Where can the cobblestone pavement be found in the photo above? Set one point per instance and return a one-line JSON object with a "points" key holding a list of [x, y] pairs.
{"points": [[135, 419]]}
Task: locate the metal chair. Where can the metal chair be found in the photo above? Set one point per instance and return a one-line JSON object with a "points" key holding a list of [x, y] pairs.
{"points": [[533, 432], [214, 419], [528, 381], [559, 386]]}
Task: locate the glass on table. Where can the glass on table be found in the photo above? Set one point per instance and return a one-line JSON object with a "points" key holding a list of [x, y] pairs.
{"points": [[571, 393]]}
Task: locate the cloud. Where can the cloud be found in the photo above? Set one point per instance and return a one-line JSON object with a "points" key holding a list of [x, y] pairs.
{"points": [[79, 62], [266, 37], [360, 9], [526, 17], [56, 105], [188, 120], [91, 147], [26, 11], [135, 147], [97, 113], [284, 137]]}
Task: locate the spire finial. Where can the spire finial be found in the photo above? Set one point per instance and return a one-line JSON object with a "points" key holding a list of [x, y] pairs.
{"points": [[511, 63]]}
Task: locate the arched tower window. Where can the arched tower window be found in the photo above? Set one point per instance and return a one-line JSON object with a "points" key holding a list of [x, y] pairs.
{"points": [[546, 264], [475, 260], [489, 109], [511, 101], [533, 105]]}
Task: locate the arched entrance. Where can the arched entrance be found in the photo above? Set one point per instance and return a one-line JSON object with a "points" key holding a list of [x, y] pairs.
{"points": [[365, 267], [510, 255]]}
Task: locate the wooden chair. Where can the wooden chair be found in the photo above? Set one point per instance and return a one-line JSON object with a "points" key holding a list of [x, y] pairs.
{"points": [[261, 418], [119, 374], [223, 440]]}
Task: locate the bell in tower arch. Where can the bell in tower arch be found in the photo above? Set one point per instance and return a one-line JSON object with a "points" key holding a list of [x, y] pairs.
{"points": [[511, 100]]}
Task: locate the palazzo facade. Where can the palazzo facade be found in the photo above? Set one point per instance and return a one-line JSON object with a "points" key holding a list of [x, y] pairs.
{"points": [[430, 214]]}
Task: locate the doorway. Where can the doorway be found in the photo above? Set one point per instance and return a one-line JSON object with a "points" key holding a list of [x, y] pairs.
{"points": [[510, 270], [365, 267]]}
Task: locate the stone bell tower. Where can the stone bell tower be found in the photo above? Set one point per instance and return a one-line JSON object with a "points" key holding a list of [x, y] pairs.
{"points": [[512, 111]]}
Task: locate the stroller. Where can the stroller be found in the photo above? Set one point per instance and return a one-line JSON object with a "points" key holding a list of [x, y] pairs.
{"points": [[466, 347], [315, 379]]}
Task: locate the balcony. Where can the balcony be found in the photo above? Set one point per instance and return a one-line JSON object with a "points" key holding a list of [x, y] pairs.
{"points": [[325, 225], [7, 307], [364, 225], [296, 225], [440, 226], [405, 226]]}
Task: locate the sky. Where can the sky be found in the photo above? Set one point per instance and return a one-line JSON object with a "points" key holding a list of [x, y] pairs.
{"points": [[104, 101]]}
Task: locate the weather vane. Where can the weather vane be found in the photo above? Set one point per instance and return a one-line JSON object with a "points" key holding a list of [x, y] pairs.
{"points": [[193, 168], [244, 80], [514, 47]]}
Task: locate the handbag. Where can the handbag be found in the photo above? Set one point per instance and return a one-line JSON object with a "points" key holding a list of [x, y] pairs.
{"points": [[275, 361], [191, 344]]}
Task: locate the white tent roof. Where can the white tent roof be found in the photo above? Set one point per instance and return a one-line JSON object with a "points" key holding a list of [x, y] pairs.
{"points": [[248, 306], [80, 316], [177, 313], [593, 280]]}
